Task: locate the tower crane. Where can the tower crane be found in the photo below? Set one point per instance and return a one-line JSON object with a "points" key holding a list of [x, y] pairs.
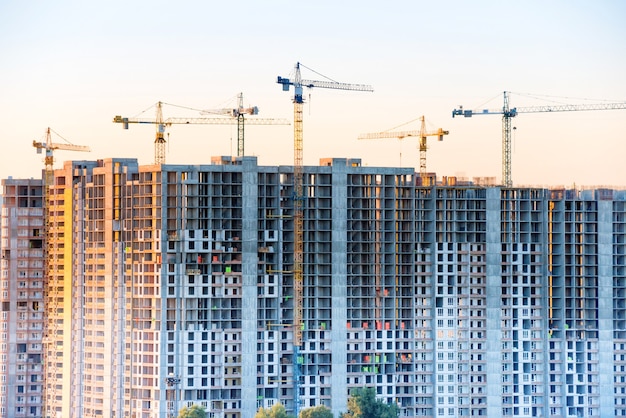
{"points": [[238, 113], [49, 148], [50, 248], [508, 113], [298, 83], [224, 117], [422, 134]]}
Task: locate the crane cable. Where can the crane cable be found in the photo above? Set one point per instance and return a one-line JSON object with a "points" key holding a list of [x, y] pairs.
{"points": [[59, 135]]}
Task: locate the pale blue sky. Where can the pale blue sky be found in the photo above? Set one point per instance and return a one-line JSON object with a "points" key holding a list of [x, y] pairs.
{"points": [[73, 65]]}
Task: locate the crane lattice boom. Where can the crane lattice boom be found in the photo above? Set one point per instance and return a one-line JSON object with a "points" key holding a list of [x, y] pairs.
{"points": [[336, 85], [202, 121], [389, 134], [54, 146]]}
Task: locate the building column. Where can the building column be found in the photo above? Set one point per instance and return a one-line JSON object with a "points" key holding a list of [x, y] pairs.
{"points": [[494, 304], [249, 265], [339, 292], [605, 309]]}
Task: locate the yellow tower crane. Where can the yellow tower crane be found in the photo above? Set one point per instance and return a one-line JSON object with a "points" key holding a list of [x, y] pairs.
{"points": [[51, 283], [422, 134], [49, 148], [233, 116], [298, 83]]}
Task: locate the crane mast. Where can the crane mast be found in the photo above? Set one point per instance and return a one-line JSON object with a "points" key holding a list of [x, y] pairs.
{"points": [[508, 113], [241, 121], [51, 283], [298, 202], [159, 141], [506, 142]]}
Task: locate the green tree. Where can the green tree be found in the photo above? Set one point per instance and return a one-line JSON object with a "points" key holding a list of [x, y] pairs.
{"points": [[276, 411], [195, 411], [319, 411], [363, 404]]}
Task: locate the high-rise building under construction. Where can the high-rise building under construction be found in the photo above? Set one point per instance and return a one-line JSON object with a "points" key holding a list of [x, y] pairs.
{"points": [[22, 298], [173, 285]]}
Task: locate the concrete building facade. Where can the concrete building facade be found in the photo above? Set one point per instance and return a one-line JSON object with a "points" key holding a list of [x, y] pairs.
{"points": [[173, 285], [22, 298]]}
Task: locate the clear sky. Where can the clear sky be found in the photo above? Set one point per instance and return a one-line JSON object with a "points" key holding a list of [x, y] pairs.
{"points": [[74, 65]]}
